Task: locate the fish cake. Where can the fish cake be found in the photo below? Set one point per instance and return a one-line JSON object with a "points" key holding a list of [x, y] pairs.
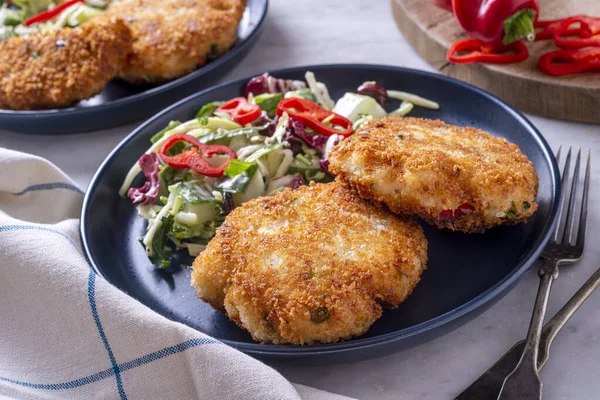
{"points": [[313, 265], [57, 69], [453, 177], [174, 37]]}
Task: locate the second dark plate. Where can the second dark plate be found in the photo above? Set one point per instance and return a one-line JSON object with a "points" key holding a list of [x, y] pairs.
{"points": [[121, 103]]}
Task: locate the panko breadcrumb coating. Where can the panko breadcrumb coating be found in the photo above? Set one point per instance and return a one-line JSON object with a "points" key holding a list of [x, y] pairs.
{"points": [[58, 69], [452, 177], [313, 265], [174, 37]]}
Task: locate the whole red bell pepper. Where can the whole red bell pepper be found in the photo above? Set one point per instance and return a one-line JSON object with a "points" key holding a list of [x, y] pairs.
{"points": [[497, 21]]}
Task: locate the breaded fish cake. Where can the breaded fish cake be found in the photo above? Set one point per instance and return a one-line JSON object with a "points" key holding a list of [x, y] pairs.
{"points": [[316, 264], [174, 37], [58, 69], [452, 177]]}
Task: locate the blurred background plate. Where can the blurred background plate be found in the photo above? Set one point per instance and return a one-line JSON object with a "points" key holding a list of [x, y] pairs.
{"points": [[465, 273], [121, 103]]}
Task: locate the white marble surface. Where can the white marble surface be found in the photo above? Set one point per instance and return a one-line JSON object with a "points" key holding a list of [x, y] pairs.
{"points": [[332, 31]]}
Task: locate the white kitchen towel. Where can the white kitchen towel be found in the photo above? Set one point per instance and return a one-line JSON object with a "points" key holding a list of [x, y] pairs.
{"points": [[65, 333]]}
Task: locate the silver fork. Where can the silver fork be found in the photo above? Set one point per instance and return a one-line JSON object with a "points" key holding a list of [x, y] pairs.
{"points": [[524, 382]]}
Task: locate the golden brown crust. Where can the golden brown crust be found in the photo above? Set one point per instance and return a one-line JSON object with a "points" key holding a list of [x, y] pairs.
{"points": [[36, 73], [423, 167], [312, 265], [173, 37]]}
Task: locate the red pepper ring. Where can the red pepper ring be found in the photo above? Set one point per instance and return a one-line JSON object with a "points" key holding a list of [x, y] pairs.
{"points": [[240, 110], [195, 158], [49, 14], [550, 26], [588, 35], [479, 51], [312, 115], [570, 61]]}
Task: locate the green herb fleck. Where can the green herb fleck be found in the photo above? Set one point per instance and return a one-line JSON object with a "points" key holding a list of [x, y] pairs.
{"points": [[512, 211]]}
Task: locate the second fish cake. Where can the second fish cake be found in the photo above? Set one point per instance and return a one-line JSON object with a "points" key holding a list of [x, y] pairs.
{"points": [[453, 177]]}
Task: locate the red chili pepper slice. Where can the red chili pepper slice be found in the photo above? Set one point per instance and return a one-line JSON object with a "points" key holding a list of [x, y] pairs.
{"points": [[445, 214], [241, 111], [312, 115], [570, 61], [479, 51], [588, 35], [195, 157], [463, 209], [550, 26], [49, 14]]}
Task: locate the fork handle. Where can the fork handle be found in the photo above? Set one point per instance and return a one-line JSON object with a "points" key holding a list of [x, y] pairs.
{"points": [[553, 326], [523, 382]]}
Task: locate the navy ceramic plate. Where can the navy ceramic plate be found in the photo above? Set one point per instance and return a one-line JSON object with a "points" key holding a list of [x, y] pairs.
{"points": [[465, 273], [120, 103]]}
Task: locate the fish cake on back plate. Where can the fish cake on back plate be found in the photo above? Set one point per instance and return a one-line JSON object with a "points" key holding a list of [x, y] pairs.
{"points": [[59, 68], [313, 265], [174, 37], [453, 177]]}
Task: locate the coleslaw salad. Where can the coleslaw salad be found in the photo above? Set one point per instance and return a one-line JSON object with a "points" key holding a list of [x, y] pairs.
{"points": [[196, 172]]}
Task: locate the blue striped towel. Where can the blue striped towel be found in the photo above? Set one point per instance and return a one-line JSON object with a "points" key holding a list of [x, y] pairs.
{"points": [[65, 333]]}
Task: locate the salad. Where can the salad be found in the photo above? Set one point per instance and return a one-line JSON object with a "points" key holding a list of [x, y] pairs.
{"points": [[23, 17], [276, 136]]}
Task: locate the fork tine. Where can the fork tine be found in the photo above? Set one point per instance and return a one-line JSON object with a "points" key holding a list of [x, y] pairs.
{"points": [[563, 194], [557, 157], [570, 220], [584, 204]]}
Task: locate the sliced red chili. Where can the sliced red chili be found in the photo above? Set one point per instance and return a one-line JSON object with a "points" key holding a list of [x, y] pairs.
{"points": [[464, 209], [195, 157], [570, 61], [49, 14], [312, 115], [241, 111], [551, 26], [588, 35], [445, 214], [479, 51]]}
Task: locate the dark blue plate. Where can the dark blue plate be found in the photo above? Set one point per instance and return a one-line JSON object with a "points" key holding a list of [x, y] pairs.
{"points": [[465, 274], [121, 103]]}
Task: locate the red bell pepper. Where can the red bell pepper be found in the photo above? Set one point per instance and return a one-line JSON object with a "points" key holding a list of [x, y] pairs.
{"points": [[478, 51], [588, 35], [497, 21], [195, 158], [550, 26], [312, 115], [240, 110], [570, 61], [49, 14]]}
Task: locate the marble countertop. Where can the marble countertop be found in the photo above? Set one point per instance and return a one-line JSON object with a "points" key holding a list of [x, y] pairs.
{"points": [[334, 31]]}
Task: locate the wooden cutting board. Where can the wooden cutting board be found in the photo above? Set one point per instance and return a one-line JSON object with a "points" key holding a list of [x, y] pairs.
{"points": [[431, 31]]}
